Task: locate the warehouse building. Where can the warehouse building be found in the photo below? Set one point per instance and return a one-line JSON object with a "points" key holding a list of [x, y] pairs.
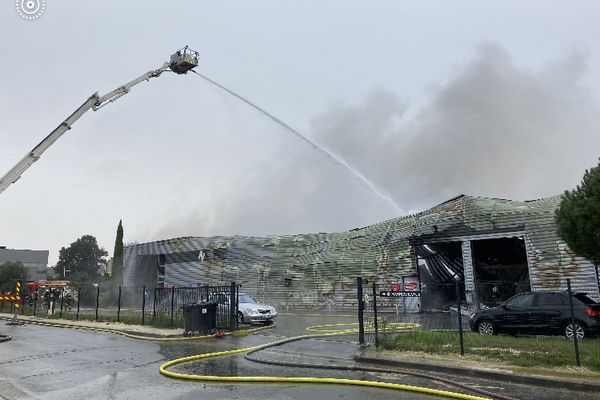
{"points": [[494, 248], [34, 261]]}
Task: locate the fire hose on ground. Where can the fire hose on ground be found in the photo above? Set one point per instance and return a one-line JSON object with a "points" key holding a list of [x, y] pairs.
{"points": [[164, 368], [326, 330]]}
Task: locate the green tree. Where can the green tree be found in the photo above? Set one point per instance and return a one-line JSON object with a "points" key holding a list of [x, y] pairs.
{"points": [[82, 281], [10, 273], [578, 216], [83, 255], [117, 265]]}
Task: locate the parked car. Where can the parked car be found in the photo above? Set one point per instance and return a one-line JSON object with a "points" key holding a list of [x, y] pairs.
{"points": [[541, 313], [250, 310]]}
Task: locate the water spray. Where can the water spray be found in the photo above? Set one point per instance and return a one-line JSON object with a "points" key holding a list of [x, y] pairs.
{"points": [[332, 156]]}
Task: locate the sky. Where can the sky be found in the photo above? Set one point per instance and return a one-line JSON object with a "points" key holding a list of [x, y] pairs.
{"points": [[426, 99]]}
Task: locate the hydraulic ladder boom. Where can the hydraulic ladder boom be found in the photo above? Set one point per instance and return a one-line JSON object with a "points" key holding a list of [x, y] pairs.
{"points": [[181, 62]]}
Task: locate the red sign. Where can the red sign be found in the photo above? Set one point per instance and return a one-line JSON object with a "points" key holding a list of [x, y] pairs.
{"points": [[394, 287], [410, 285]]}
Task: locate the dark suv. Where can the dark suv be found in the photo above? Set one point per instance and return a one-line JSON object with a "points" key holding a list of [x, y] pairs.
{"points": [[542, 313]]}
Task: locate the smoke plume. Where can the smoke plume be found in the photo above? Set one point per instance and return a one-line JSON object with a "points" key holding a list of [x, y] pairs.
{"points": [[492, 129]]}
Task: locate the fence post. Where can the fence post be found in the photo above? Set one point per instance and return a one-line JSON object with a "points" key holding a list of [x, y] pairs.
{"points": [[232, 306], [78, 302], [597, 277], [154, 307], [573, 324], [143, 304], [172, 303], [375, 315], [35, 303], [62, 299], [97, 300], [361, 326], [460, 326], [119, 306], [22, 305]]}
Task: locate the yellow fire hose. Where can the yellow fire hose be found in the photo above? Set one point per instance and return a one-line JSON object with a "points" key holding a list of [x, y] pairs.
{"points": [[321, 330], [352, 327], [164, 368]]}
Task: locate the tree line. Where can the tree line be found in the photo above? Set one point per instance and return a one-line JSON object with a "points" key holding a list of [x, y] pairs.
{"points": [[81, 263]]}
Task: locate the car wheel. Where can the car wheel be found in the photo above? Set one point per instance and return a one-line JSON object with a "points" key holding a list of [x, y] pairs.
{"points": [[486, 328], [240, 317], [579, 331]]}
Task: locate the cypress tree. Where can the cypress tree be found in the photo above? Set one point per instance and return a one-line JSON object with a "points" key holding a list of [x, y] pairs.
{"points": [[117, 266]]}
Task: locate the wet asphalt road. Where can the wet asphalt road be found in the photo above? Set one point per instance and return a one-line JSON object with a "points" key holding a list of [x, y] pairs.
{"points": [[52, 363]]}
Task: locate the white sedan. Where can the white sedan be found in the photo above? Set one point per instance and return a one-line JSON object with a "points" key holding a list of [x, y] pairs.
{"points": [[249, 311]]}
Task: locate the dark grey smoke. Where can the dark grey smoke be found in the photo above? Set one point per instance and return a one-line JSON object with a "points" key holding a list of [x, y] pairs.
{"points": [[492, 129]]}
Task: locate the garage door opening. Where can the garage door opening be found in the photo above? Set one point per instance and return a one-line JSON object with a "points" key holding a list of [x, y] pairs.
{"points": [[439, 265], [501, 269]]}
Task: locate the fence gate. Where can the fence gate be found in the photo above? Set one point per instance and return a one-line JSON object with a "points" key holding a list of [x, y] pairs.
{"points": [[369, 318], [367, 312]]}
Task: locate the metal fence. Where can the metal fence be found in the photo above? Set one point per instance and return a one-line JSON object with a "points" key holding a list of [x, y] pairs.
{"points": [[159, 307], [168, 302], [448, 332]]}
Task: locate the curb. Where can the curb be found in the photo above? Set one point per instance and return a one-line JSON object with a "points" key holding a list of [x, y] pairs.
{"points": [[133, 334], [553, 382]]}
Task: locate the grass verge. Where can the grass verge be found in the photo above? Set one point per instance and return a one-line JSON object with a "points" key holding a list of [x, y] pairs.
{"points": [[518, 351]]}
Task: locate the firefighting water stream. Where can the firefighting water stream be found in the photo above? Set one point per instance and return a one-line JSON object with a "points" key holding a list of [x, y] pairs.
{"points": [[335, 158]]}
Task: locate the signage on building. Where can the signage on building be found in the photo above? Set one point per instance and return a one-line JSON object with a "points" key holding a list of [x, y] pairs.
{"points": [[394, 287], [410, 285], [401, 293]]}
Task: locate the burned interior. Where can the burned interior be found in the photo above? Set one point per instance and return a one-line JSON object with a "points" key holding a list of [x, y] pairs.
{"points": [[440, 270], [500, 271]]}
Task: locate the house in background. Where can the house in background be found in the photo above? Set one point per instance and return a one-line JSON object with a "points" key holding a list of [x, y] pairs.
{"points": [[34, 261]]}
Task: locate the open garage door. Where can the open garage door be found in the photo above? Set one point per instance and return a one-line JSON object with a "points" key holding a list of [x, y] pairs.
{"points": [[439, 265], [500, 268]]}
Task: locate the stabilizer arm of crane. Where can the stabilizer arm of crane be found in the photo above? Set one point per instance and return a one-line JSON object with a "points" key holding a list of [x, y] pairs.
{"points": [[181, 62]]}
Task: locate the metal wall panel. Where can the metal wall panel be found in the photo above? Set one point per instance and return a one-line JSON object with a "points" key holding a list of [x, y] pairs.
{"points": [[316, 270]]}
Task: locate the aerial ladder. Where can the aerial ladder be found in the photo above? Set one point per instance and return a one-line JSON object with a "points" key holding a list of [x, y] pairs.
{"points": [[180, 63]]}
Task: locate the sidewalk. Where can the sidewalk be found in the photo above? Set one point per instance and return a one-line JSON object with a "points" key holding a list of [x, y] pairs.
{"points": [[141, 330], [572, 378]]}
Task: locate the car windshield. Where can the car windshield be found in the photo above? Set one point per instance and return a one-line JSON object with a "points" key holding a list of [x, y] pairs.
{"points": [[584, 298], [523, 300], [244, 298]]}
